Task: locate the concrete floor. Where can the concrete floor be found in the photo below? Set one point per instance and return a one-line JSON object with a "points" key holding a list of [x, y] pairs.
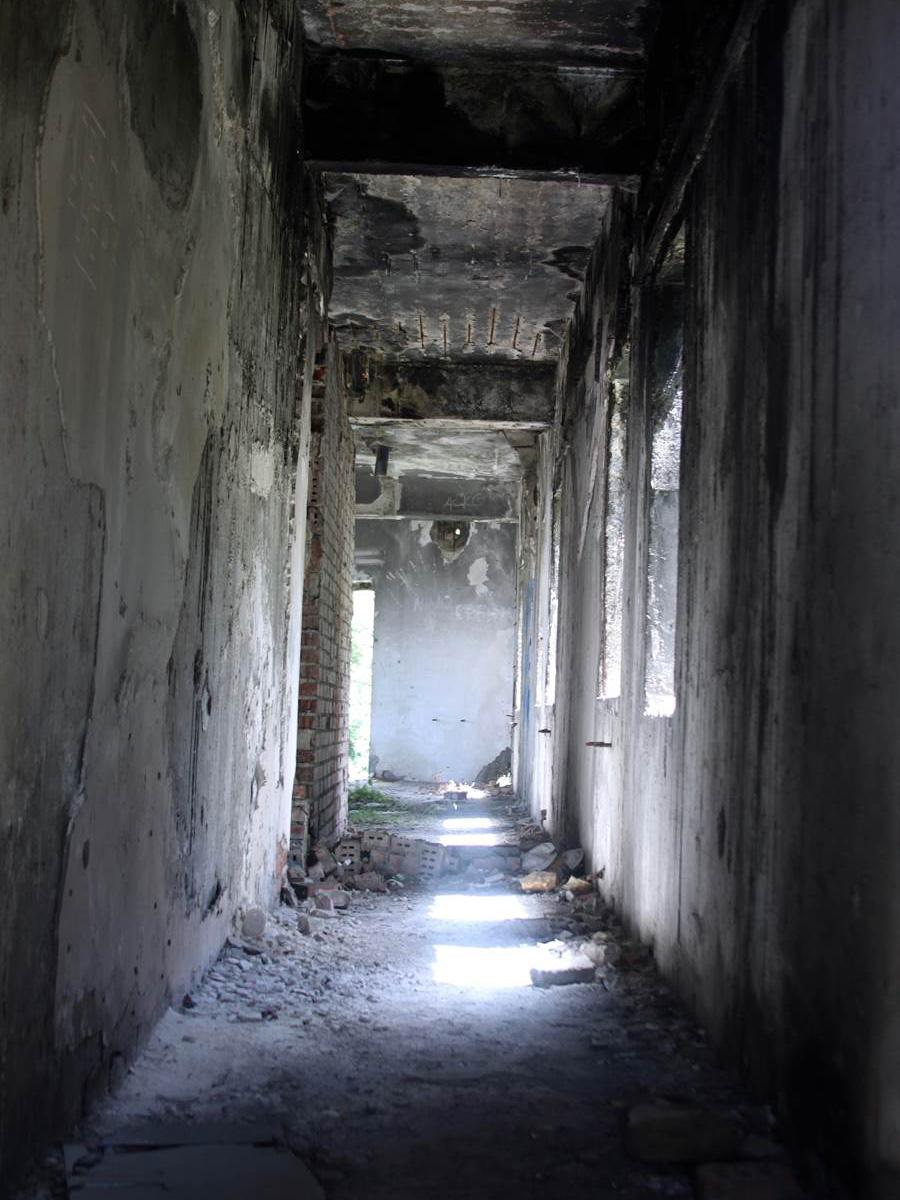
{"points": [[399, 1051]]}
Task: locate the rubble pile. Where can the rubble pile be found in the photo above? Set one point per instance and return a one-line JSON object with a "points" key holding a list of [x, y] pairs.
{"points": [[376, 861], [279, 970]]}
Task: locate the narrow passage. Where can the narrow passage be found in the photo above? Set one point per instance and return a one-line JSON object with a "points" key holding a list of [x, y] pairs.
{"points": [[398, 1048]]}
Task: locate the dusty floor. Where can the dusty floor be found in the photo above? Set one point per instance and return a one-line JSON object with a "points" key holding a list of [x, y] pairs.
{"points": [[399, 1050]]}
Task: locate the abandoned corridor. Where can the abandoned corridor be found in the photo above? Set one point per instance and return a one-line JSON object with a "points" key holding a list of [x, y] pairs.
{"points": [[567, 334]]}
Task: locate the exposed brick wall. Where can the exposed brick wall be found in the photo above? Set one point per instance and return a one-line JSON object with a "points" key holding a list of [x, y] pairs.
{"points": [[320, 786]]}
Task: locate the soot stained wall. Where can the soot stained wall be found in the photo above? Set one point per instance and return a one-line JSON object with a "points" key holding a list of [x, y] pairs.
{"points": [[444, 647], [753, 837], [152, 226]]}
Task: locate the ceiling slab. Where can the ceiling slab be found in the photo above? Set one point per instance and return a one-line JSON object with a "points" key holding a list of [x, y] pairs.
{"points": [[419, 448], [492, 392], [460, 270], [594, 31], [478, 115]]}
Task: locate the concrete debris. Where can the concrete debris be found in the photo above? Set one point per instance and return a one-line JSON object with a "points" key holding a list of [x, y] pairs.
{"points": [[538, 881], [539, 857], [681, 1133], [561, 966], [496, 769], [368, 881], [303, 923], [254, 923], [325, 901], [326, 858], [576, 886], [596, 952], [369, 861], [572, 859], [748, 1181]]}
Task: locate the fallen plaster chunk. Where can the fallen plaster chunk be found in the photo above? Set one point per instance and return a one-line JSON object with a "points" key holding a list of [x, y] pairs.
{"points": [[681, 1133], [572, 859], [539, 857], [596, 952], [747, 1181], [254, 923], [571, 967], [577, 886], [538, 881]]}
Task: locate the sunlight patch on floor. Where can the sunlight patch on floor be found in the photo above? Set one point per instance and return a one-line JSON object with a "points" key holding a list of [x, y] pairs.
{"points": [[470, 839], [485, 966], [453, 907], [468, 824]]}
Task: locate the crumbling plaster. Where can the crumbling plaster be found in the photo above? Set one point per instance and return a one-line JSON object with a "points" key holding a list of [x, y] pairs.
{"points": [[155, 431]]}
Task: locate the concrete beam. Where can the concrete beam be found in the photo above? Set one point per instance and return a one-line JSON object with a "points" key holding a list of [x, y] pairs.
{"points": [[488, 393], [496, 115], [436, 498], [627, 182]]}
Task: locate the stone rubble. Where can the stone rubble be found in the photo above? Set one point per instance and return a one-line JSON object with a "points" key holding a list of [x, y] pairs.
{"points": [[309, 967]]}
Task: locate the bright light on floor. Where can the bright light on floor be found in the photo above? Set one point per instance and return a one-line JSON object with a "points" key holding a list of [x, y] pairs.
{"points": [[488, 967], [469, 839], [468, 823], [478, 908]]}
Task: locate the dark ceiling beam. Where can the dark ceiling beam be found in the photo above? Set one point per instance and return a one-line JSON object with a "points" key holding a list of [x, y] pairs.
{"points": [[376, 114], [608, 179], [662, 205], [469, 393]]}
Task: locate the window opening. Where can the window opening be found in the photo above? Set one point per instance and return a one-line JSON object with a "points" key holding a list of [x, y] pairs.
{"points": [[610, 681], [362, 647], [664, 398], [553, 602]]}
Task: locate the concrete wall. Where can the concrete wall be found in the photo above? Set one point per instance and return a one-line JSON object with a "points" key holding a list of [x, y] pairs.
{"points": [[152, 224], [320, 784], [444, 647], [754, 835]]}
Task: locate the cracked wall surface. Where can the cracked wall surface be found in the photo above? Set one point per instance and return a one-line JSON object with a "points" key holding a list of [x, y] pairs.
{"points": [[153, 225]]}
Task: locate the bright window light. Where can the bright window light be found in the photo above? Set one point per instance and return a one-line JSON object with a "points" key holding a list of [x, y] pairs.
{"points": [[468, 823], [463, 907]]}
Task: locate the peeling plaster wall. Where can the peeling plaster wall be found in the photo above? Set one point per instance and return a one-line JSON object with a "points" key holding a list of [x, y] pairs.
{"points": [[754, 836], [444, 647], [152, 224]]}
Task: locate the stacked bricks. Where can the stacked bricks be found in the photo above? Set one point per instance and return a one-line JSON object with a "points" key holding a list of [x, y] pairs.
{"points": [[321, 780]]}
